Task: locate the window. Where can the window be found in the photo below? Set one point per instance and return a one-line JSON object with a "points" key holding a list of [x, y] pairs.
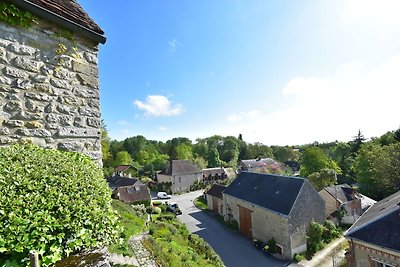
{"points": [[129, 190], [180, 179], [382, 263], [137, 188]]}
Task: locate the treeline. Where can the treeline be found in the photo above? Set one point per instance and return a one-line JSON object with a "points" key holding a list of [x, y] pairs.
{"points": [[215, 151], [373, 165]]}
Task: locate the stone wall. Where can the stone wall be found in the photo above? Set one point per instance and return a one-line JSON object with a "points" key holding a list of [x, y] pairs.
{"points": [[365, 254], [182, 182], [49, 90]]}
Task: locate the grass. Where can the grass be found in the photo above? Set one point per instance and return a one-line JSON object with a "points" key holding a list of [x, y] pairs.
{"points": [[132, 221], [172, 245], [201, 203]]}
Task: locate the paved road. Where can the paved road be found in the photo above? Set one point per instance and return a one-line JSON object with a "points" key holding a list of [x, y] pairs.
{"points": [[233, 248]]}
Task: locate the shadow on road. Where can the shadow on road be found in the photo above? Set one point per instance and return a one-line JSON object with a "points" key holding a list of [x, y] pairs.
{"points": [[233, 248]]}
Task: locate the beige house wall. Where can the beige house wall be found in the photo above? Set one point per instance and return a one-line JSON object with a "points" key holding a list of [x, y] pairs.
{"points": [[182, 182], [210, 204], [161, 178], [265, 224], [330, 202], [365, 254]]}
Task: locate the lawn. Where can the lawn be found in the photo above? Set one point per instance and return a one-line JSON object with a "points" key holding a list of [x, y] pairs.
{"points": [[201, 203], [132, 221]]}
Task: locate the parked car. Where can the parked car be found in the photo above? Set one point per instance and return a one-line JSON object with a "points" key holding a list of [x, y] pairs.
{"points": [[163, 195], [173, 207]]}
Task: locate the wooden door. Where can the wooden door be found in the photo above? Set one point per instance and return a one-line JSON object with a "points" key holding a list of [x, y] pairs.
{"points": [[215, 205], [245, 223]]}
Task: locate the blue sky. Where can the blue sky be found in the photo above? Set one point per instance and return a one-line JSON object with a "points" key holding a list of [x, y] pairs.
{"points": [[278, 72]]}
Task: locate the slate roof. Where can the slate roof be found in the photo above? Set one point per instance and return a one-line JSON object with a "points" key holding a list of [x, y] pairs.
{"points": [[69, 10], [135, 193], [258, 163], [216, 190], [274, 192], [118, 181], [380, 224], [181, 167], [342, 192]]}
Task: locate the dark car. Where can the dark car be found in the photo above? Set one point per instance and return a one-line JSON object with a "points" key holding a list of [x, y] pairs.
{"points": [[173, 207]]}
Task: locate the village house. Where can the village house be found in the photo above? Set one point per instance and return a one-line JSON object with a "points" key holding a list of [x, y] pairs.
{"points": [[128, 190], [374, 239], [261, 165], [214, 198], [343, 198], [125, 170], [180, 175], [214, 174], [274, 207], [49, 93]]}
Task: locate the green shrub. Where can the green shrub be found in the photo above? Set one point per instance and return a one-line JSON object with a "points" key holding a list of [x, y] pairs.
{"points": [[52, 202], [157, 210], [271, 243], [298, 257], [156, 202]]}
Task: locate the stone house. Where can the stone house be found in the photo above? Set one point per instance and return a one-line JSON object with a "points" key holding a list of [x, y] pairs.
{"points": [[374, 239], [180, 175], [214, 174], [344, 197], [274, 207], [261, 164], [49, 88], [214, 198], [128, 190]]}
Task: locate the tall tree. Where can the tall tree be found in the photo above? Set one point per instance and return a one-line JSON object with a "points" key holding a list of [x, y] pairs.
{"points": [[322, 179], [213, 157], [123, 158], [184, 151], [358, 140], [314, 160]]}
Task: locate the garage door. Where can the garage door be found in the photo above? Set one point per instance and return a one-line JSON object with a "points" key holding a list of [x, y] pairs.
{"points": [[245, 221]]}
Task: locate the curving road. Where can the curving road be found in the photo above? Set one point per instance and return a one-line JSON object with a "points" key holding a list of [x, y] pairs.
{"points": [[234, 249]]}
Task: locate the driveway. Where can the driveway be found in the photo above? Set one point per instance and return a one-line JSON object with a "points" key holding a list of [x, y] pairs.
{"points": [[234, 249]]}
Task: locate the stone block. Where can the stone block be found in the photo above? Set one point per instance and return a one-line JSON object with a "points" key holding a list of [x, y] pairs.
{"points": [[4, 131], [13, 106], [64, 109], [22, 115], [26, 64], [85, 68], [88, 80], [3, 54], [52, 118], [21, 49], [23, 84], [60, 84], [33, 124], [45, 88], [16, 73], [86, 93], [5, 80], [67, 100], [78, 132], [40, 78], [91, 58], [92, 122], [34, 132], [71, 146], [94, 103], [66, 120], [5, 140], [38, 96], [89, 112], [63, 74]]}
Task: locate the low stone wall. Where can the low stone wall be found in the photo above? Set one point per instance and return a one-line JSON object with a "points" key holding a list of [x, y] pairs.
{"points": [[49, 91]]}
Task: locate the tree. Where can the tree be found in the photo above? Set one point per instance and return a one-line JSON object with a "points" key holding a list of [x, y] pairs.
{"points": [[123, 158], [322, 179], [284, 153], [377, 169], [358, 140], [105, 149], [397, 135], [314, 160], [200, 162], [213, 158], [184, 151]]}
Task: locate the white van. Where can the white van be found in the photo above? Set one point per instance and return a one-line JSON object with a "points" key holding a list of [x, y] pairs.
{"points": [[163, 195]]}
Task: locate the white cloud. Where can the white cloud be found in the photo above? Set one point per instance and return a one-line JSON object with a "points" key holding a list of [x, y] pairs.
{"points": [[122, 123], [158, 105], [161, 128], [235, 117], [381, 17], [331, 108], [173, 44]]}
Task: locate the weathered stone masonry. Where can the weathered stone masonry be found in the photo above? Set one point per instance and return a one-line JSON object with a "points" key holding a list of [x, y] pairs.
{"points": [[49, 91]]}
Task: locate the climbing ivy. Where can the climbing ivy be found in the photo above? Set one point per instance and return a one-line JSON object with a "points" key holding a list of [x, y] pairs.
{"points": [[12, 15]]}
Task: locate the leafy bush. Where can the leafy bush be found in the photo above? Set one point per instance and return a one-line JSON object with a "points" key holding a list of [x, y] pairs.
{"points": [[52, 202], [319, 235], [298, 257], [271, 243], [157, 210], [201, 203]]}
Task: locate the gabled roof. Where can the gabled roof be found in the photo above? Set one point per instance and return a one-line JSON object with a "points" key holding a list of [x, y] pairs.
{"points": [[259, 163], [118, 181], [122, 168], [216, 190], [274, 192], [342, 192], [380, 224], [181, 166], [137, 193], [67, 13]]}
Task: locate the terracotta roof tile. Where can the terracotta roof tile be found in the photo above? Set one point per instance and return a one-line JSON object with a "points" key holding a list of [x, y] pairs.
{"points": [[70, 10]]}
